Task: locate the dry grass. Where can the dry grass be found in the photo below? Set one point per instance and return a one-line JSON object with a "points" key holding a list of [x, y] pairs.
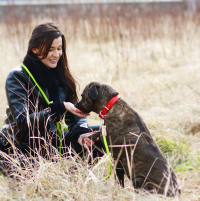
{"points": [[153, 61]]}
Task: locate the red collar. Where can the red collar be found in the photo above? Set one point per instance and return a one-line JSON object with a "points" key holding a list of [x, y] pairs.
{"points": [[108, 106]]}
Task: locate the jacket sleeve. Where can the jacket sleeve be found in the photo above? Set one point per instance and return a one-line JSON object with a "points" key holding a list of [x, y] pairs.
{"points": [[76, 125], [24, 112]]}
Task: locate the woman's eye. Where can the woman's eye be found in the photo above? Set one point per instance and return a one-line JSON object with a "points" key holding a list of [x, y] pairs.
{"points": [[60, 48]]}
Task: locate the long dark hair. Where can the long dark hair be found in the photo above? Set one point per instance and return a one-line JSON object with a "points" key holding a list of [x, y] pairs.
{"points": [[42, 38]]}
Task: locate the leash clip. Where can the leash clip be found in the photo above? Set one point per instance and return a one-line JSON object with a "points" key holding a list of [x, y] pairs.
{"points": [[103, 130]]}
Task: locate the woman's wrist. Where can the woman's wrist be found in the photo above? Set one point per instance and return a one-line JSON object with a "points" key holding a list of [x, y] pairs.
{"points": [[57, 108]]}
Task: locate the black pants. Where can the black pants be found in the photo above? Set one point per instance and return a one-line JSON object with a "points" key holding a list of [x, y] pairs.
{"points": [[24, 152], [97, 149]]}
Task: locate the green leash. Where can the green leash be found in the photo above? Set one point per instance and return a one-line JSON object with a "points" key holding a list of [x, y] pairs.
{"points": [[108, 153], [58, 124], [104, 134]]}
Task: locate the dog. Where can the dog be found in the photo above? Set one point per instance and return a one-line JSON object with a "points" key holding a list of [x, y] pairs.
{"points": [[133, 149]]}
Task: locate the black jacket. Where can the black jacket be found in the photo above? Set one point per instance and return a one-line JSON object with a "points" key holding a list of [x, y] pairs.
{"points": [[28, 113]]}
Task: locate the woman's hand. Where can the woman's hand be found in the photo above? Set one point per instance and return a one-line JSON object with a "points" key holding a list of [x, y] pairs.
{"points": [[86, 143], [71, 108]]}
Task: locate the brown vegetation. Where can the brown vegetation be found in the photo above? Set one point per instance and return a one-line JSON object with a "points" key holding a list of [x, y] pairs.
{"points": [[152, 60]]}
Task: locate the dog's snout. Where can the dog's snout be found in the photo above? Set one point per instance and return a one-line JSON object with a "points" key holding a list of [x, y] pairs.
{"points": [[77, 105]]}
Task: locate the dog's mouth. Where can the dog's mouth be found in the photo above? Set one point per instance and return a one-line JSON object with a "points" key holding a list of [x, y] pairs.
{"points": [[84, 111]]}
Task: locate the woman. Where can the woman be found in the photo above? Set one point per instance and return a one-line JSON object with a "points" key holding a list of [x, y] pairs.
{"points": [[31, 122]]}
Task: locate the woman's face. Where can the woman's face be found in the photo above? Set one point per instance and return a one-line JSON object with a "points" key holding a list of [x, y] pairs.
{"points": [[54, 54]]}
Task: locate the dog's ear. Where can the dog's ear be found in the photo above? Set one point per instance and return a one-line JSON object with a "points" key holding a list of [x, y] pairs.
{"points": [[93, 92]]}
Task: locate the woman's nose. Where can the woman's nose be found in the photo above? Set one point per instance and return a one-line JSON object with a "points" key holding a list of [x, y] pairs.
{"points": [[56, 53]]}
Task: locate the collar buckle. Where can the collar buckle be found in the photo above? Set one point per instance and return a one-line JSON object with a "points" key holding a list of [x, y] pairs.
{"points": [[101, 115]]}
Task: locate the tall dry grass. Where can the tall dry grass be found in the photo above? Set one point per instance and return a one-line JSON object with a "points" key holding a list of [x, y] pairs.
{"points": [[152, 60]]}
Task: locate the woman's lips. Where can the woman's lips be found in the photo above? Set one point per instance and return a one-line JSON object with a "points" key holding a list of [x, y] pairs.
{"points": [[53, 61]]}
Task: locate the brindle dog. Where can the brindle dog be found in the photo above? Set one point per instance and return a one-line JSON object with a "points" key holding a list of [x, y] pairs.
{"points": [[135, 152]]}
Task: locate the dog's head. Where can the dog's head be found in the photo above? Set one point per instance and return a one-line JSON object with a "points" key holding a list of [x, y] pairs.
{"points": [[95, 96]]}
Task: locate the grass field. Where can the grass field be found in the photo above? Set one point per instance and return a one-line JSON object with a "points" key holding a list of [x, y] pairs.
{"points": [[153, 61]]}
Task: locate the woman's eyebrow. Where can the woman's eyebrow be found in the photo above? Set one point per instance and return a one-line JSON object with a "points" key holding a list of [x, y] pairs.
{"points": [[54, 47]]}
